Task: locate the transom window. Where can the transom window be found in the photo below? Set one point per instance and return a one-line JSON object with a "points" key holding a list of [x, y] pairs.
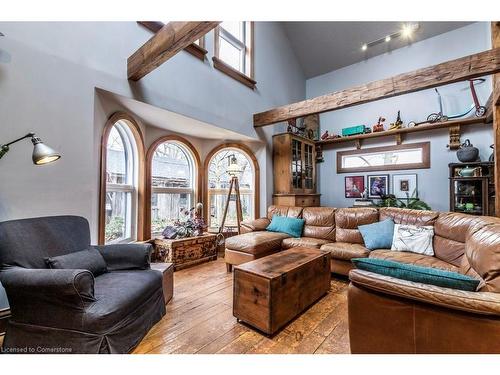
{"points": [[121, 185], [218, 187], [173, 172]]}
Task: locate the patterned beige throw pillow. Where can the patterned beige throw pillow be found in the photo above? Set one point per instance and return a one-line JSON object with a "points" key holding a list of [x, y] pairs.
{"points": [[413, 238]]}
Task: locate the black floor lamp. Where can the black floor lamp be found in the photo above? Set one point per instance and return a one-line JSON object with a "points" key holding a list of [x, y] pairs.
{"points": [[42, 154]]}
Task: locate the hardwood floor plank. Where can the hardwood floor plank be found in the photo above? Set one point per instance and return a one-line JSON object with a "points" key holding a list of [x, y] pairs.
{"points": [[199, 320]]}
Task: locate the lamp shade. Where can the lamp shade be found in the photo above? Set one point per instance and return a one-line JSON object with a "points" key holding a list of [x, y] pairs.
{"points": [[233, 169], [43, 154]]}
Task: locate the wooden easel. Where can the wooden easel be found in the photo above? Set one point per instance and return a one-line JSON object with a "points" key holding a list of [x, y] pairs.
{"points": [[239, 214]]}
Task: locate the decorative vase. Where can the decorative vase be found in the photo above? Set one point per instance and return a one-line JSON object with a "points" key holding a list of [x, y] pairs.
{"points": [[467, 152]]}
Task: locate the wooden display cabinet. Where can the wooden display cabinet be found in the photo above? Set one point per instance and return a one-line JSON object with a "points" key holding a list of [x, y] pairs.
{"points": [[474, 194], [294, 159]]}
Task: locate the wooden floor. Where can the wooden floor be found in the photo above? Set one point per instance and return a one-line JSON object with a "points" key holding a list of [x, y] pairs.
{"points": [[199, 319]]}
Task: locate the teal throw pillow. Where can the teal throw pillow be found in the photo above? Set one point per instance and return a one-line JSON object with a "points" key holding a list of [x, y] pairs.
{"points": [[410, 272], [288, 225], [378, 235]]}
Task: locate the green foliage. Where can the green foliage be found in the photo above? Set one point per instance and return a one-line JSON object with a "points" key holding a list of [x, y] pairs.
{"points": [[114, 229], [412, 202]]}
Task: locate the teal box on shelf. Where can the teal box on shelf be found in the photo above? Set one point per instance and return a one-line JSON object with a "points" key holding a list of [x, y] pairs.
{"points": [[353, 130]]}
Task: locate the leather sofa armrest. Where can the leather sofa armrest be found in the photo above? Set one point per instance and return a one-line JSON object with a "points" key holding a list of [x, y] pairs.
{"points": [[483, 303], [133, 256], [255, 225]]}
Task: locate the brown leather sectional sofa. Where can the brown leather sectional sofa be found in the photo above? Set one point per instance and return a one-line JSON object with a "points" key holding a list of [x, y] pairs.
{"points": [[389, 315]]}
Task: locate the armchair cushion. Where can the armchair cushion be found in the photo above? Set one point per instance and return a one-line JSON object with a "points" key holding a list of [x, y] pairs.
{"points": [[410, 272], [89, 259], [256, 225], [134, 256]]}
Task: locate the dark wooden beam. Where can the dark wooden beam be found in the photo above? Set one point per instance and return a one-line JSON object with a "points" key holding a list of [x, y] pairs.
{"points": [[495, 104], [480, 64], [168, 41], [197, 50]]}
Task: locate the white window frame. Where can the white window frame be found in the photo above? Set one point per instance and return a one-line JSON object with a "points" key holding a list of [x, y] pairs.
{"points": [[132, 173], [245, 47], [170, 190]]}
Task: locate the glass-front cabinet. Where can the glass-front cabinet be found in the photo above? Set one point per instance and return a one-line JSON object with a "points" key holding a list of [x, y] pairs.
{"points": [[294, 171], [472, 188]]}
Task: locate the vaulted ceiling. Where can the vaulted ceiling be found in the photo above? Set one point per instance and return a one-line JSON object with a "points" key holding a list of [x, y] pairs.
{"points": [[325, 46]]}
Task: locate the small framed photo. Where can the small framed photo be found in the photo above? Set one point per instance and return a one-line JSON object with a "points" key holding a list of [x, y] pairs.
{"points": [[378, 185], [404, 185], [354, 186]]}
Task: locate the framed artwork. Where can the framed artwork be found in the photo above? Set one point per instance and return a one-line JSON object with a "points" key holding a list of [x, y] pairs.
{"points": [[378, 185], [354, 186], [404, 185]]}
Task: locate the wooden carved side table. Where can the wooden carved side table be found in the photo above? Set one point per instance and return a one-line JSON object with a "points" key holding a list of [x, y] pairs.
{"points": [[185, 252]]}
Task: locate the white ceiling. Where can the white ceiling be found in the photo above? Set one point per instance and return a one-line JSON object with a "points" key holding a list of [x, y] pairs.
{"points": [[172, 121], [325, 46]]}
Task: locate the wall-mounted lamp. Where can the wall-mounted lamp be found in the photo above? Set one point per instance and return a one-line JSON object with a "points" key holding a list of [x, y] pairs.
{"points": [[42, 154]]}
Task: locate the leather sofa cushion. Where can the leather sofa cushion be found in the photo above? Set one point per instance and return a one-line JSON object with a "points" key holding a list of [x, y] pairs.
{"points": [[347, 221], [255, 225], [119, 294], [450, 231], [319, 222], [413, 258], [482, 250], [256, 242], [408, 217], [346, 251], [316, 243], [284, 211]]}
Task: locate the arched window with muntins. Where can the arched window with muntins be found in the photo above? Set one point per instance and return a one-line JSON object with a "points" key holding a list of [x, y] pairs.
{"points": [[121, 189], [218, 187], [173, 183]]}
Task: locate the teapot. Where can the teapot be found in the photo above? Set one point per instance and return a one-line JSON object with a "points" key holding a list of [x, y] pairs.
{"points": [[468, 171]]}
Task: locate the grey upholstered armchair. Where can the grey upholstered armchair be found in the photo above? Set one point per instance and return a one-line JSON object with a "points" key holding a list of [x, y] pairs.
{"points": [[71, 310]]}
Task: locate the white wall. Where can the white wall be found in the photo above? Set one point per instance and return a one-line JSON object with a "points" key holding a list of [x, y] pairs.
{"points": [[433, 183]]}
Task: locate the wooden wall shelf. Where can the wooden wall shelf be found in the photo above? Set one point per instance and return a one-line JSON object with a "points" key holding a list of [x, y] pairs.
{"points": [[397, 132]]}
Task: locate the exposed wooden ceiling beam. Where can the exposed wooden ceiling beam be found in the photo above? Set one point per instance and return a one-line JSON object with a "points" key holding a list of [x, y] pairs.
{"points": [[480, 64], [168, 41]]}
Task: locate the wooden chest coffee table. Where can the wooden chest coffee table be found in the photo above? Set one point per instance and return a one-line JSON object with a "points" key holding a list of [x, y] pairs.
{"points": [[269, 292]]}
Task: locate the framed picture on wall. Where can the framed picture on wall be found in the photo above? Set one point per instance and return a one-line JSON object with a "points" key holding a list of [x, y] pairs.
{"points": [[354, 186], [378, 185], [404, 185]]}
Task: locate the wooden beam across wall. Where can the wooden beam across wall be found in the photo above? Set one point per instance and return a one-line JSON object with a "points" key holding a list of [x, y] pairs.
{"points": [[473, 66], [495, 104], [168, 41]]}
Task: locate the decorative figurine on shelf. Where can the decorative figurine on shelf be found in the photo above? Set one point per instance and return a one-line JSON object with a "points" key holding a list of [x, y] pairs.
{"points": [[467, 152], [398, 124], [325, 136], [379, 126]]}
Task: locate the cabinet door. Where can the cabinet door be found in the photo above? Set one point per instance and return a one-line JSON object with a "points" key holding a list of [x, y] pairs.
{"points": [[297, 164], [308, 167]]}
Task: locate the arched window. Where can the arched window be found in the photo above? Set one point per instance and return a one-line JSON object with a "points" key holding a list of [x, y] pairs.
{"points": [[120, 180], [219, 180], [173, 170]]}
